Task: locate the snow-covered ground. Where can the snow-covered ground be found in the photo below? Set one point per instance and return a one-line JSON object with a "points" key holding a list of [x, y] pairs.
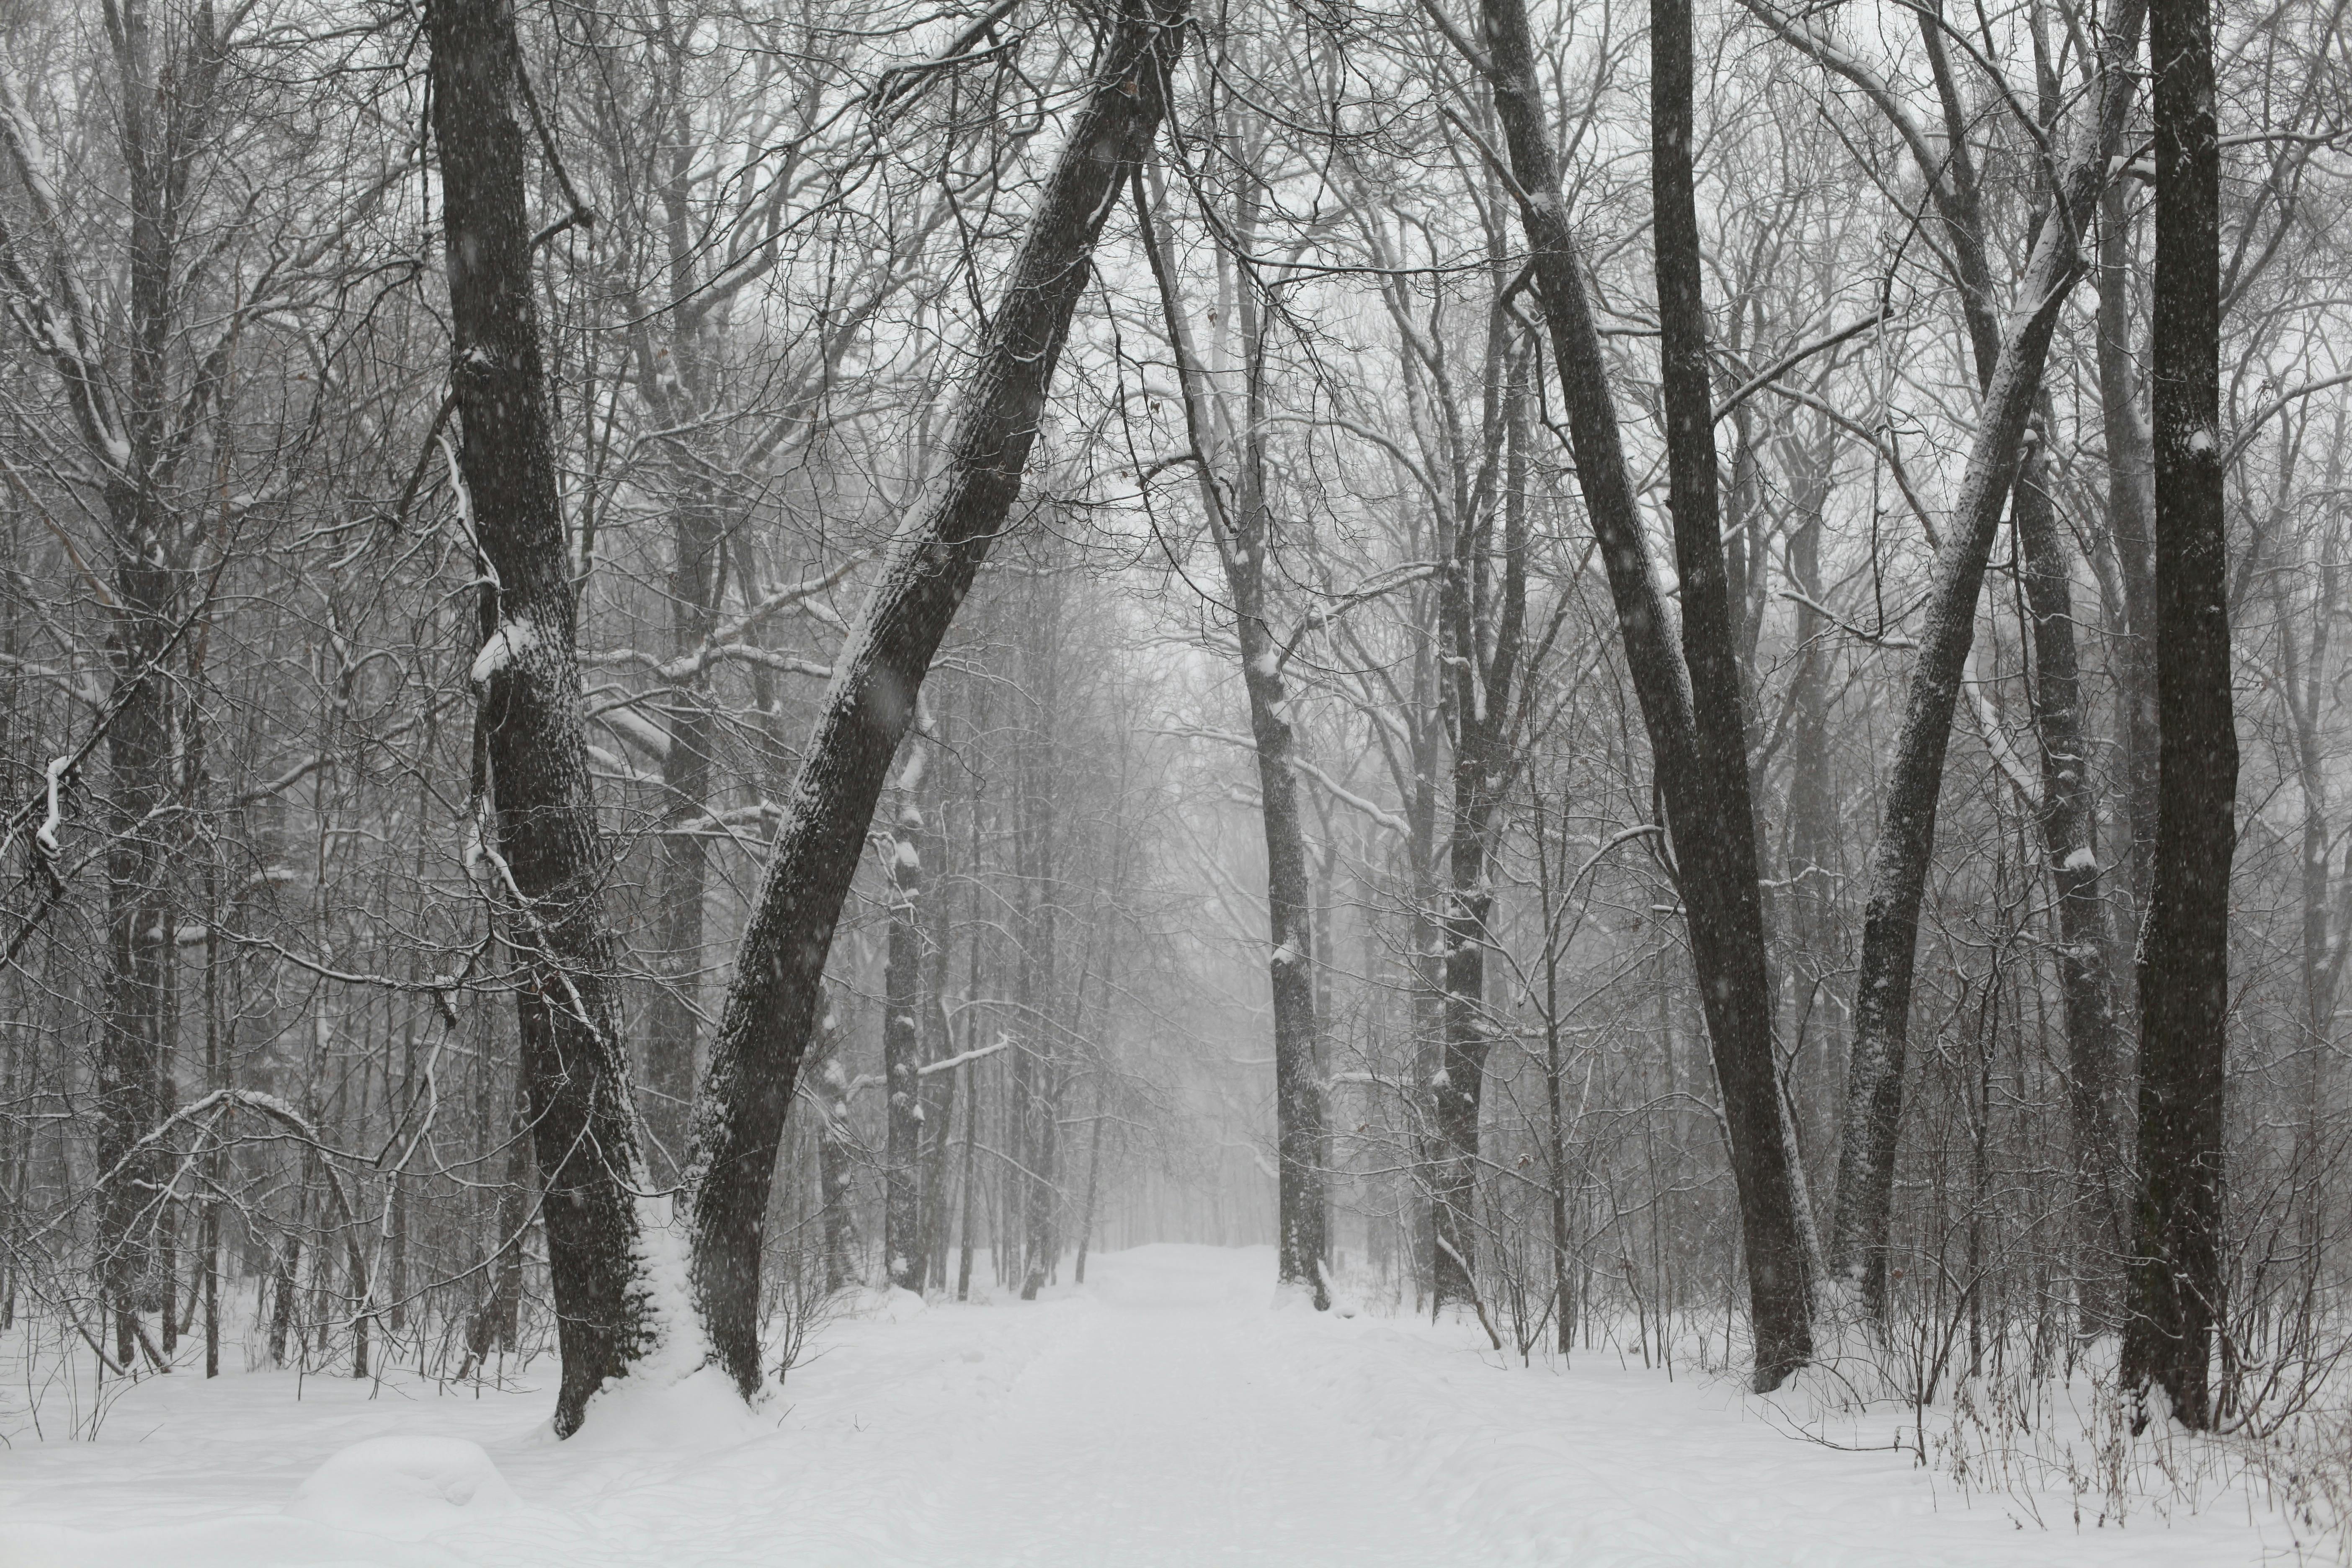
{"points": [[1166, 1413]]}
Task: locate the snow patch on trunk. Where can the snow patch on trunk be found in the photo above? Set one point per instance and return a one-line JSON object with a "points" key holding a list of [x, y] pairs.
{"points": [[503, 646]]}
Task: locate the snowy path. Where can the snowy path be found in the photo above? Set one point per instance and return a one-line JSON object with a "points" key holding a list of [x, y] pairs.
{"points": [[1165, 1432], [1162, 1417]]}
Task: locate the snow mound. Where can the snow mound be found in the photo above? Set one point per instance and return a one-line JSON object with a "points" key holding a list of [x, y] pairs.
{"points": [[405, 1488], [649, 1410]]}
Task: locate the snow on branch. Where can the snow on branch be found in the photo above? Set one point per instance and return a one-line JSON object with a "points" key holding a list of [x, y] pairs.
{"points": [[949, 1064]]}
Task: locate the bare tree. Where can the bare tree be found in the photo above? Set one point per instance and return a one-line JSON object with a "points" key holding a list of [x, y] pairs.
{"points": [[547, 850], [1722, 904], [763, 1031], [1873, 1117]]}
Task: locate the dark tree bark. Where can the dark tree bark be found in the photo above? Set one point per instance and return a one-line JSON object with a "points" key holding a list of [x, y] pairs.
{"points": [[548, 851], [763, 1031], [128, 1087], [967, 1187], [959, 1083], [215, 1078], [1550, 895], [1871, 1125], [938, 1123], [1721, 903], [1298, 1088], [2175, 1293], [1720, 786]]}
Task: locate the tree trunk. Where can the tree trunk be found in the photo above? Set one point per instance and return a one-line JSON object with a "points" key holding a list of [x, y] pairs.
{"points": [[970, 1174], [938, 1098], [1871, 1121], [763, 1030], [1723, 914], [549, 855], [126, 416], [1087, 1210], [1241, 525], [1555, 1126], [681, 856], [1479, 625], [2304, 688], [2131, 529], [2092, 1050], [677, 383], [836, 1164], [902, 1041], [502, 1313], [127, 1099], [1815, 860], [1302, 1244], [2176, 1279], [1037, 1065], [289, 1259]]}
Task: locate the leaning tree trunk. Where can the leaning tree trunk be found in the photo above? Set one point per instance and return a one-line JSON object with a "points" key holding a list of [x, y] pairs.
{"points": [[2175, 1295], [763, 1030], [1722, 904], [1906, 840], [548, 856]]}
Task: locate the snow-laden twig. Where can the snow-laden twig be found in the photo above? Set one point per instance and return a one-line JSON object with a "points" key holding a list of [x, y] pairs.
{"points": [[949, 1064], [46, 835], [1875, 639]]}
